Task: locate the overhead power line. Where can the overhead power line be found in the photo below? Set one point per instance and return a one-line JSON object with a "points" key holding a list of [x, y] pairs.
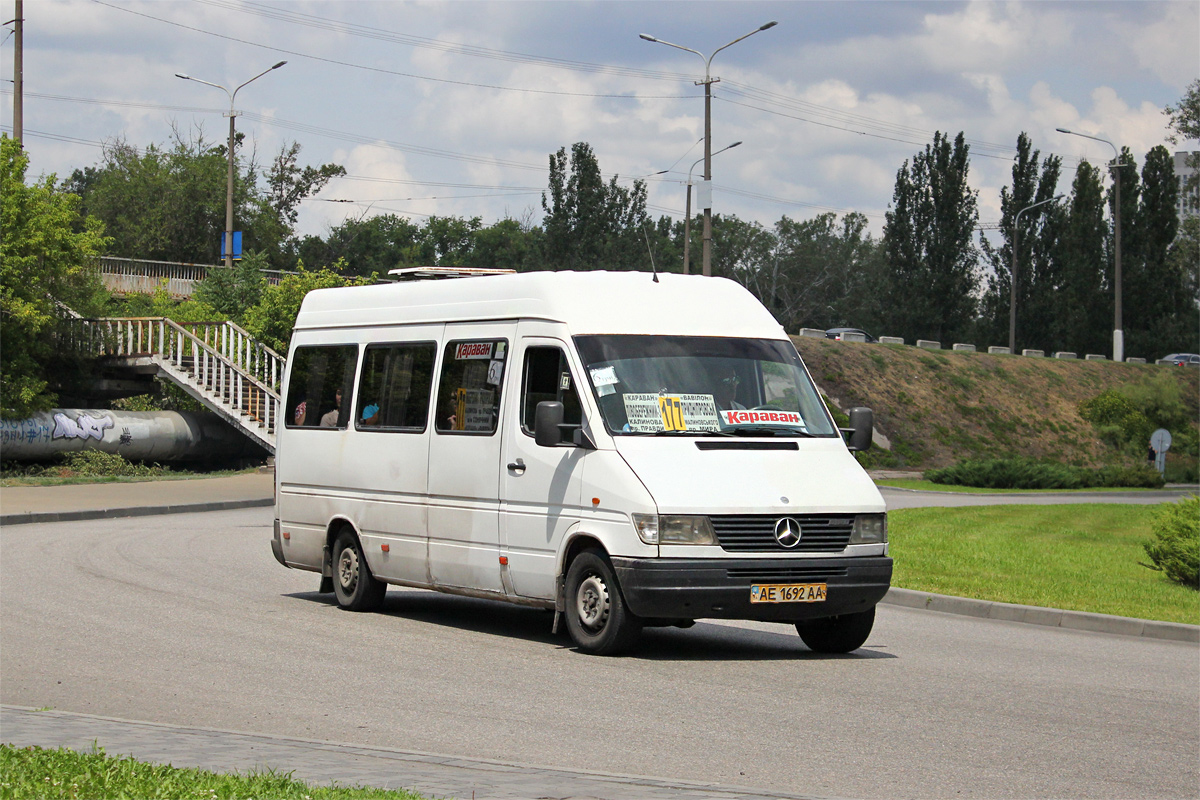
{"points": [[397, 73]]}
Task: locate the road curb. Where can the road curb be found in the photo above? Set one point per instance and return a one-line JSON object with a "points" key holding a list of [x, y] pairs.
{"points": [[131, 511], [432, 774], [1049, 617]]}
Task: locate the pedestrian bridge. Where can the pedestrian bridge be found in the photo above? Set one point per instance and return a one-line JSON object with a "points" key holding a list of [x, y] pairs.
{"points": [[218, 363], [143, 276]]}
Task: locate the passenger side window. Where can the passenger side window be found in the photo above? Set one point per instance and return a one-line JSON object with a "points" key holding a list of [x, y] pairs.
{"points": [[469, 392], [322, 379], [548, 377], [393, 394]]}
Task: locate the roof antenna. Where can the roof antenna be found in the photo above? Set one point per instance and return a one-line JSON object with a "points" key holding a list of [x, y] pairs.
{"points": [[653, 268]]}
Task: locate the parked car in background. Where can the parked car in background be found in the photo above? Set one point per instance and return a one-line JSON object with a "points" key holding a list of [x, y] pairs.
{"points": [[1178, 359], [839, 334]]}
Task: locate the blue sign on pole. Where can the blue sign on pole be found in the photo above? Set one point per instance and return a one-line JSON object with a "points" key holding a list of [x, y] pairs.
{"points": [[237, 245]]}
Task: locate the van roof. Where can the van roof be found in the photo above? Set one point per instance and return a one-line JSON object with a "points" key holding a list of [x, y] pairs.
{"points": [[588, 302]]}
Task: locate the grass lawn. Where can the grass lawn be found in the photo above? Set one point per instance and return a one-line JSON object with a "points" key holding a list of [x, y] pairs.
{"points": [[32, 772], [1078, 557], [930, 486]]}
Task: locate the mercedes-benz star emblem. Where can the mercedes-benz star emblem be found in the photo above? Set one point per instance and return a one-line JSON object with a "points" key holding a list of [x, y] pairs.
{"points": [[787, 532]]}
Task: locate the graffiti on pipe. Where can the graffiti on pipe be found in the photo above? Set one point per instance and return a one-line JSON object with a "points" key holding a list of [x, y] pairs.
{"points": [[84, 426]]}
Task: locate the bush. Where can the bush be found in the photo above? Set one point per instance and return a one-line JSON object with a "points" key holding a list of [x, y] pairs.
{"points": [[97, 462], [1175, 549], [1025, 473], [84, 463]]}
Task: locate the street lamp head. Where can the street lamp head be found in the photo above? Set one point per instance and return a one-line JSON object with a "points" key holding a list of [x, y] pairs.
{"points": [[280, 64], [1063, 130], [647, 37], [181, 75], [735, 144], [770, 24]]}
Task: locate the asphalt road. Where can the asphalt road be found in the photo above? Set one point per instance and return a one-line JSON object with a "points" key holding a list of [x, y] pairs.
{"points": [[187, 619]]}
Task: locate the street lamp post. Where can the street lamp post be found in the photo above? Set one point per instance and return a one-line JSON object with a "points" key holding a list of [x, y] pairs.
{"points": [[229, 187], [708, 82], [687, 219], [1012, 305], [1118, 330]]}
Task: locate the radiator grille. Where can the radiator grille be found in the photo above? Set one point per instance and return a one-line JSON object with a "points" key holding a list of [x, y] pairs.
{"points": [[821, 533]]}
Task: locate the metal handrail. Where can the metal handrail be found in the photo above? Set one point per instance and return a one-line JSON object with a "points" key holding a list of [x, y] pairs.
{"points": [[226, 361]]}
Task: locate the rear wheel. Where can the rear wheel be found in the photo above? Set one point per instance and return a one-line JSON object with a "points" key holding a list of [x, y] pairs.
{"points": [[597, 618], [353, 584], [839, 634]]}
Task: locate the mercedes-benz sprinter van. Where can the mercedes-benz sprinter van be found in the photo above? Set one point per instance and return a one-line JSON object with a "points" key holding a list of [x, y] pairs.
{"points": [[627, 451]]}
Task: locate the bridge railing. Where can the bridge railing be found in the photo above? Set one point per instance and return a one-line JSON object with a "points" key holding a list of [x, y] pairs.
{"points": [[144, 276], [222, 360]]}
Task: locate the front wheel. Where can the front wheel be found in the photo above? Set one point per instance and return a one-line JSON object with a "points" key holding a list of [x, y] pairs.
{"points": [[839, 634], [597, 618], [353, 584]]}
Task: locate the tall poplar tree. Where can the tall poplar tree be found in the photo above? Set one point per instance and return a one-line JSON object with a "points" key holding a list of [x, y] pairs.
{"points": [[590, 224], [1038, 276], [932, 262], [1154, 291], [1085, 310]]}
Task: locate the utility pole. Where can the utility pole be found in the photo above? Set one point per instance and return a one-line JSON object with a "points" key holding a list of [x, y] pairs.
{"points": [[229, 188], [709, 80], [18, 76]]}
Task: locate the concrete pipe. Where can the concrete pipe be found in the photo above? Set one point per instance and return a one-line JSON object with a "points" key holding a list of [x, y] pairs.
{"points": [[136, 435]]}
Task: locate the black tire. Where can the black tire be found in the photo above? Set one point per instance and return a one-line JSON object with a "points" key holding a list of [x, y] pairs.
{"points": [[597, 618], [837, 634], [353, 584]]}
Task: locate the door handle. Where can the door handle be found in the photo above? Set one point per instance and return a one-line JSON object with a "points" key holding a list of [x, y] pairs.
{"points": [[517, 466]]}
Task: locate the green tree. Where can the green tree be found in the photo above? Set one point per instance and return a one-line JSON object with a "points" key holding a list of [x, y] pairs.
{"points": [[743, 251], [932, 263], [161, 203], [1184, 121], [271, 321], [506, 244], [1152, 287], [822, 273], [590, 224], [1038, 277], [46, 255], [365, 246], [1083, 323], [232, 292], [168, 202]]}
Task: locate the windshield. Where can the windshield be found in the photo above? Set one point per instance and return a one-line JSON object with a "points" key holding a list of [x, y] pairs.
{"points": [[702, 385]]}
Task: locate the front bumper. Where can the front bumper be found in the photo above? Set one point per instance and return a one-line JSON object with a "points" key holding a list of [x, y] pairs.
{"points": [[710, 588]]}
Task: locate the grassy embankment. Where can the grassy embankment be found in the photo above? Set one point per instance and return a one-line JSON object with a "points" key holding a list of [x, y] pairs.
{"points": [[939, 407], [44, 774]]}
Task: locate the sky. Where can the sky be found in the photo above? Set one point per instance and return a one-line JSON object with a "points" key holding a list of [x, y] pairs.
{"points": [[454, 107]]}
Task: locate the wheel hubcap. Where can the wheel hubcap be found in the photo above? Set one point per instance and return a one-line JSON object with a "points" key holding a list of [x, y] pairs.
{"points": [[592, 603], [348, 569]]}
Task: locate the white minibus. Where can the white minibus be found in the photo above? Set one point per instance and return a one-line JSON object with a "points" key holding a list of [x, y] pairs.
{"points": [[625, 450]]}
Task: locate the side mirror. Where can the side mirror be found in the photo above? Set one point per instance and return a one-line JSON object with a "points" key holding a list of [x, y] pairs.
{"points": [[546, 419], [862, 423]]}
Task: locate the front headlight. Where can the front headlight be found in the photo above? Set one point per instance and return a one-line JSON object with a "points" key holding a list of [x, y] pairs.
{"points": [[674, 529], [869, 529]]}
